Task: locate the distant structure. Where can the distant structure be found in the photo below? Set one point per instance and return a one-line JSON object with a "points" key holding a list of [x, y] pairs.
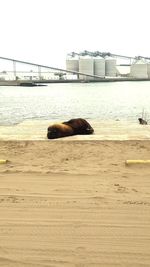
{"points": [[72, 63], [85, 66], [140, 68], [91, 63], [99, 66], [110, 67], [104, 65]]}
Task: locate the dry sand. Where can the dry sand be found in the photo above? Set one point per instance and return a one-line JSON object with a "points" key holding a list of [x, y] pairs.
{"points": [[74, 204]]}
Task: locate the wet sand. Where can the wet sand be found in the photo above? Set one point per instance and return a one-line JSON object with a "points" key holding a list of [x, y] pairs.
{"points": [[104, 130]]}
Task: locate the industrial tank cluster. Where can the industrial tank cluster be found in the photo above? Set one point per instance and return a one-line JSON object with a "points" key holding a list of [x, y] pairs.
{"points": [[97, 66], [140, 69]]}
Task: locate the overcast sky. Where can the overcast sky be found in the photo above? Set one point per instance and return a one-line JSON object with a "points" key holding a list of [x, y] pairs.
{"points": [[44, 31]]}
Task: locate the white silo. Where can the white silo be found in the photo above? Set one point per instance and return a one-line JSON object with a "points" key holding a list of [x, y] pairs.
{"points": [[148, 70], [86, 65], [139, 69], [99, 66], [110, 67], [72, 63]]}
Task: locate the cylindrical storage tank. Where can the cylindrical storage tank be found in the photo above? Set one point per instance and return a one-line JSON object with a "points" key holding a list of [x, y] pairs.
{"points": [[139, 69], [110, 67], [86, 65], [99, 66], [72, 64], [148, 70]]}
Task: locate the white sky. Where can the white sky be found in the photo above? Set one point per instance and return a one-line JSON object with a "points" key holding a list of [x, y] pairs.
{"points": [[44, 31]]}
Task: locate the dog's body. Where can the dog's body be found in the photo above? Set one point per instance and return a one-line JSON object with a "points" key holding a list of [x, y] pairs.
{"points": [[68, 128], [141, 121]]}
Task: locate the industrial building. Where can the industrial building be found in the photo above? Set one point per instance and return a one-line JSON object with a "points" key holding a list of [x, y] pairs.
{"points": [[94, 66], [99, 66], [81, 67], [140, 69], [104, 65]]}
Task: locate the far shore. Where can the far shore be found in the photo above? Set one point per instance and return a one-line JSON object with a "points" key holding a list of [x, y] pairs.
{"points": [[36, 82]]}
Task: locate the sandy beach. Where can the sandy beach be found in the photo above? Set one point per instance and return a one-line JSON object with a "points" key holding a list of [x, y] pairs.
{"points": [[74, 203]]}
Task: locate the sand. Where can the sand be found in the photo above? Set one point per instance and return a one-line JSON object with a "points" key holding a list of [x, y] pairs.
{"points": [[74, 203], [103, 130]]}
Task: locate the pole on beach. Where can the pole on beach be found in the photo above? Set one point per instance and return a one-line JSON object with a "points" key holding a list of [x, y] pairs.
{"points": [[2, 161], [137, 161]]}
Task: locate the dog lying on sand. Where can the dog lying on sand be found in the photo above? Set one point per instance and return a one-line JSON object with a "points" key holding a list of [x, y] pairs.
{"points": [[141, 121], [68, 128]]}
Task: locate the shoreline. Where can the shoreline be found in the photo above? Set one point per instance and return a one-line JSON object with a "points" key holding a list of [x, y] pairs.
{"points": [[44, 82], [103, 130]]}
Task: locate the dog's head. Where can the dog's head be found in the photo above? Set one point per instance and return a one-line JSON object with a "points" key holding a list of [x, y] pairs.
{"points": [[53, 132]]}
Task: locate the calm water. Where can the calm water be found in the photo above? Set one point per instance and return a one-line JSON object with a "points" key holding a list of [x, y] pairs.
{"points": [[93, 101]]}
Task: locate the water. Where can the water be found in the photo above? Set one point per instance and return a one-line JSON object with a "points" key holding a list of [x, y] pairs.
{"points": [[92, 101]]}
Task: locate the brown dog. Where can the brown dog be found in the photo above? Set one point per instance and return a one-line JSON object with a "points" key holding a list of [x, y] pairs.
{"points": [[68, 128], [141, 121]]}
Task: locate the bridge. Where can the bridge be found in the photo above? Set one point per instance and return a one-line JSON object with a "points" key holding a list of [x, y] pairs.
{"points": [[58, 71]]}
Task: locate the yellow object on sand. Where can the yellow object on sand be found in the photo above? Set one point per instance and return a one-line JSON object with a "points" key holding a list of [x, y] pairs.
{"points": [[2, 161], [137, 161]]}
